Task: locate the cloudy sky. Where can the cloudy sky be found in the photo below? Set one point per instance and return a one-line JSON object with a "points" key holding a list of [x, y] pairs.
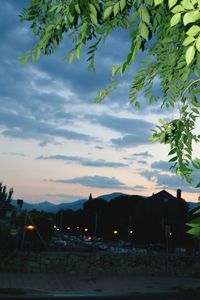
{"points": [[57, 144]]}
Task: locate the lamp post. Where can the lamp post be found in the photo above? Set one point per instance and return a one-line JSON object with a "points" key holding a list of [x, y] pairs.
{"points": [[167, 234], [130, 229], [115, 232], [95, 227], [85, 230], [61, 220]]}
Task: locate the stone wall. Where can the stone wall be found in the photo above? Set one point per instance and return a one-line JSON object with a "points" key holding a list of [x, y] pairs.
{"points": [[99, 263]]}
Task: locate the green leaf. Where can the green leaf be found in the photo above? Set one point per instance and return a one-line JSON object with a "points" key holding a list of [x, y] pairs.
{"points": [[94, 19], [71, 58], [77, 8], [187, 4], [195, 110], [177, 9], [194, 231], [38, 50], [107, 12], [195, 103], [54, 7], [197, 211], [115, 69], [173, 151], [153, 138], [171, 3], [191, 17], [198, 185], [93, 9], [173, 159], [196, 163], [198, 43], [188, 40], [78, 53], [189, 55], [116, 8], [161, 121], [144, 31], [157, 2], [194, 30], [144, 14], [122, 4], [194, 223], [137, 104], [175, 19]]}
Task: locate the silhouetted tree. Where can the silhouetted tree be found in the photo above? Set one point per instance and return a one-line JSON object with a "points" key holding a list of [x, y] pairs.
{"points": [[4, 195]]}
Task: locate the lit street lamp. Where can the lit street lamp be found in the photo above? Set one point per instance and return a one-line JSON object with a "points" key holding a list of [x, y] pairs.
{"points": [[30, 227]]}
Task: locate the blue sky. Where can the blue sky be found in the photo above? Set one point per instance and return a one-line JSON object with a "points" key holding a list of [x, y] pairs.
{"points": [[57, 144]]}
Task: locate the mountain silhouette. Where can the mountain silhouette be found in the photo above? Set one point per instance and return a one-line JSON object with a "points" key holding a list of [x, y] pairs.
{"points": [[75, 205]]}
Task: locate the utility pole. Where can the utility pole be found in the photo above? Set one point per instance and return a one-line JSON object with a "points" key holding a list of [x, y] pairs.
{"points": [[61, 221], [167, 231], [24, 232], [130, 229], [95, 228]]}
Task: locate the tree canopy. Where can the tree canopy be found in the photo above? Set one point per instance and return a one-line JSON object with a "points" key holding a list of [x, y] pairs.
{"points": [[169, 33]]}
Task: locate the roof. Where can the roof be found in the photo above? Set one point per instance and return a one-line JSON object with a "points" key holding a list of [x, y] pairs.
{"points": [[162, 195]]}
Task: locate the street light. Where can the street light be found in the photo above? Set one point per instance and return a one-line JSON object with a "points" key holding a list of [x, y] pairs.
{"points": [[85, 229], [115, 232], [131, 231], [30, 227], [68, 228]]}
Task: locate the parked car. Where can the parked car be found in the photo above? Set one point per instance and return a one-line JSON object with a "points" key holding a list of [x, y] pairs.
{"points": [[57, 244], [118, 249], [100, 246]]}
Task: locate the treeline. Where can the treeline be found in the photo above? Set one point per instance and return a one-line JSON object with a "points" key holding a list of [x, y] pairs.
{"points": [[139, 220], [5, 195], [133, 218]]}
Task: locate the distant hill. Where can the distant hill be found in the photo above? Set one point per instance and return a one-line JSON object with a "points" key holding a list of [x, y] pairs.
{"points": [[76, 205], [50, 207], [192, 205], [54, 208], [109, 197]]}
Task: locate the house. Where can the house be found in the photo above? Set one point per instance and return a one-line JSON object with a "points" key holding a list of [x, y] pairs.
{"points": [[165, 196], [168, 206]]}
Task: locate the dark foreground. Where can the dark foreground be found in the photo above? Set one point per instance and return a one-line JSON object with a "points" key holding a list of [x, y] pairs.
{"points": [[157, 296], [65, 286]]}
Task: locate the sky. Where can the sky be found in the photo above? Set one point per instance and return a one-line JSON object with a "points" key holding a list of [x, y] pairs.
{"points": [[57, 144]]}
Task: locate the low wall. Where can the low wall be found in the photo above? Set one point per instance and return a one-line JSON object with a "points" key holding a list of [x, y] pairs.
{"points": [[99, 263]]}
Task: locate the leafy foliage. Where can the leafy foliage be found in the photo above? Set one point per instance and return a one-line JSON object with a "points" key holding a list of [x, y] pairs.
{"points": [[195, 225], [4, 194], [169, 33]]}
